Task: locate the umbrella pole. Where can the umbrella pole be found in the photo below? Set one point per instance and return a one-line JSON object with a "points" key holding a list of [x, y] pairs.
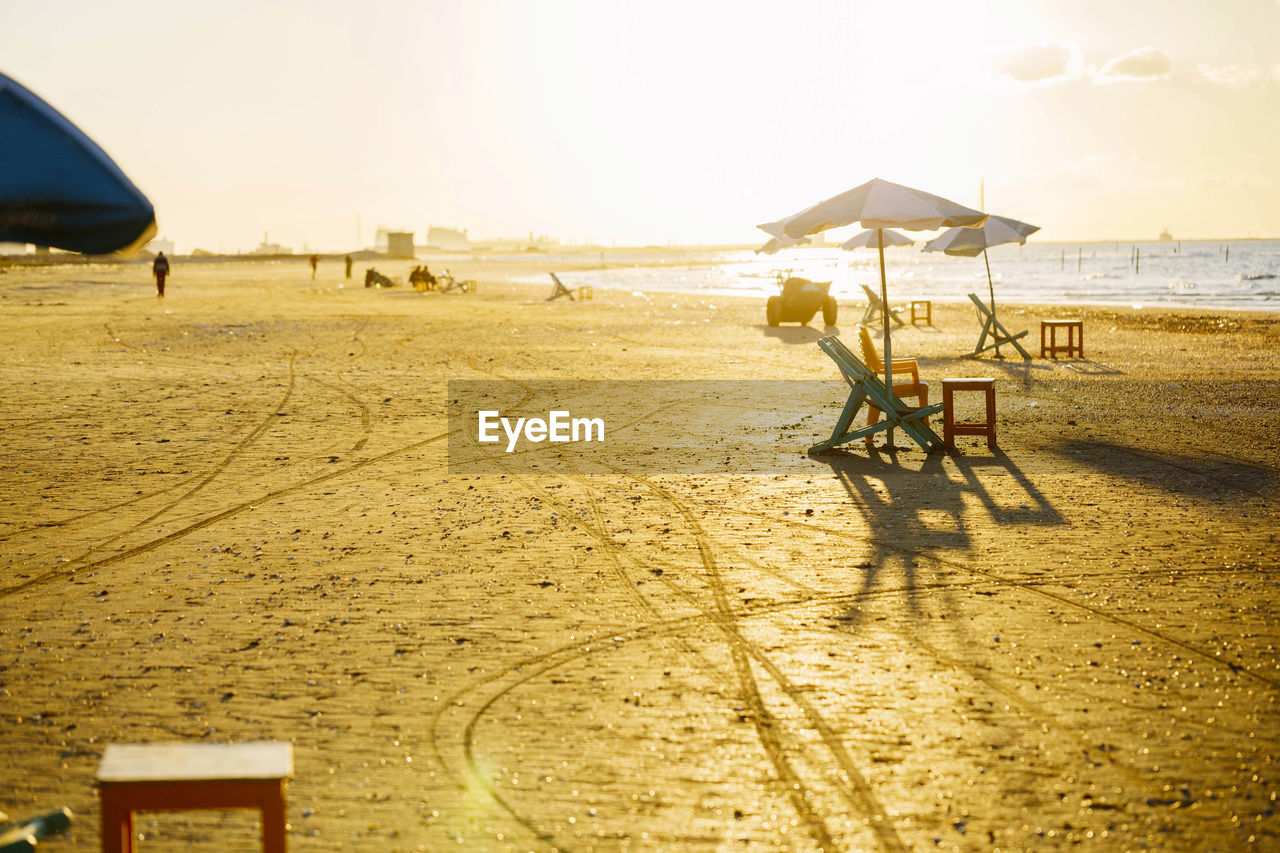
{"points": [[992, 290], [888, 344]]}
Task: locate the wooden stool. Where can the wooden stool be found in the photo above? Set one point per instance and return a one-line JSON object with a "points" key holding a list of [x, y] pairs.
{"points": [[1074, 347], [585, 292], [950, 429], [926, 311], [180, 776]]}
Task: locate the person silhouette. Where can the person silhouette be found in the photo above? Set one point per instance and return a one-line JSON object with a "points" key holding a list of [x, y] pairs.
{"points": [[349, 262], [315, 262], [160, 268]]}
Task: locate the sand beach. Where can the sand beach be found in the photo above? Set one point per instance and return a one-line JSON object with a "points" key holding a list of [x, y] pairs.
{"points": [[229, 516]]}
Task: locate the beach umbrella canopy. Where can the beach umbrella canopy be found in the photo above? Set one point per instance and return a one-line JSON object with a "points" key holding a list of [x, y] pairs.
{"points": [[871, 240], [773, 244], [971, 242], [877, 205], [57, 187]]}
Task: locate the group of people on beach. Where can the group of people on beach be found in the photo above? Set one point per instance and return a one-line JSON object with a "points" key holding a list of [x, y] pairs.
{"points": [[421, 278]]}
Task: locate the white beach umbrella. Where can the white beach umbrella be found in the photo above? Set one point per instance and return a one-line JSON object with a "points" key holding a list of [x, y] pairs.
{"points": [[878, 205], [871, 239], [971, 242], [773, 244]]}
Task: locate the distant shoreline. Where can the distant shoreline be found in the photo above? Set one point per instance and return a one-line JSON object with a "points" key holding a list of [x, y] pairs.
{"points": [[62, 258]]}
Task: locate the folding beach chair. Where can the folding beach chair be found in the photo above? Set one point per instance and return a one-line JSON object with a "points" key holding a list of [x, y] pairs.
{"points": [[876, 308], [559, 289], [446, 282], [24, 835], [869, 388], [999, 334]]}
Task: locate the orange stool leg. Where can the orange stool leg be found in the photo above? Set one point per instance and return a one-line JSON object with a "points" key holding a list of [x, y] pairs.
{"points": [[873, 415], [117, 822], [991, 418], [273, 820]]}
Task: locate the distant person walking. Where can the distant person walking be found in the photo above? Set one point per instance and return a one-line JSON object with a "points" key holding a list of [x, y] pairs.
{"points": [[160, 268], [349, 262], [315, 262]]}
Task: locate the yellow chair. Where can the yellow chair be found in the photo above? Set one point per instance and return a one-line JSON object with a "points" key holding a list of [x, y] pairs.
{"points": [[901, 366]]}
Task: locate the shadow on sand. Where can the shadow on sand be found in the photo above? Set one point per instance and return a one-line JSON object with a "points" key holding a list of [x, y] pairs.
{"points": [[924, 512], [797, 334], [1197, 476]]}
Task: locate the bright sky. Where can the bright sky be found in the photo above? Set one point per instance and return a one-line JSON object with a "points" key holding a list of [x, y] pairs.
{"points": [[657, 121]]}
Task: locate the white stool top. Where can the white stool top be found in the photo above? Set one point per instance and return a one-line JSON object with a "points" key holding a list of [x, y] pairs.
{"points": [[968, 379], [195, 762]]}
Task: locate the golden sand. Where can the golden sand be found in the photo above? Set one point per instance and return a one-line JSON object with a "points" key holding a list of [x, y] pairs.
{"points": [[226, 516]]}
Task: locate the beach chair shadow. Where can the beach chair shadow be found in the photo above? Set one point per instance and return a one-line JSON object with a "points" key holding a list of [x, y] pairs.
{"points": [[992, 328], [1021, 370], [908, 523], [876, 308]]}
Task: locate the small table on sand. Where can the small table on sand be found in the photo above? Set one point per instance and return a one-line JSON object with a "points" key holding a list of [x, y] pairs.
{"points": [[181, 776], [1074, 347], [921, 309], [950, 429]]}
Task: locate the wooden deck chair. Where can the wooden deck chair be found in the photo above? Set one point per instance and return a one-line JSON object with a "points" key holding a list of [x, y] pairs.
{"points": [[559, 289], [999, 334], [901, 367], [876, 308], [867, 387]]}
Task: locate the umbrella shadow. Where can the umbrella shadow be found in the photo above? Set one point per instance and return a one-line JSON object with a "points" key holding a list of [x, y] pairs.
{"points": [[796, 334], [1197, 476], [913, 515]]}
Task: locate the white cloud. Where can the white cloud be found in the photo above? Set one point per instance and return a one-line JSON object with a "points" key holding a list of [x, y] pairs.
{"points": [[1231, 75], [1038, 64], [1143, 63]]}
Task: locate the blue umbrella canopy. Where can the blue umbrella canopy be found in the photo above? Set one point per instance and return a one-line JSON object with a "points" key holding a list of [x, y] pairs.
{"points": [[58, 188]]}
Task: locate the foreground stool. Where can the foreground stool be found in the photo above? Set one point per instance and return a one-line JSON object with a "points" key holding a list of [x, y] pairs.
{"points": [[1074, 347], [921, 309], [950, 429], [180, 776]]}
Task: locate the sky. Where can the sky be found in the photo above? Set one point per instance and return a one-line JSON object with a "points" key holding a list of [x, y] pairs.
{"points": [[658, 122]]}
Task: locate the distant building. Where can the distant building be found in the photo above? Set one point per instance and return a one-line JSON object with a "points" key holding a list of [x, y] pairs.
{"points": [[266, 248], [449, 239], [1165, 236], [161, 244], [400, 244]]}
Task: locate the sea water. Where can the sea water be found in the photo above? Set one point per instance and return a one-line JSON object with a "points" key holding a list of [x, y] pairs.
{"points": [[1241, 274]]}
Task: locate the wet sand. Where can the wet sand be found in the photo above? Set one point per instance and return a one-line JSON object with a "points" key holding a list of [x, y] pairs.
{"points": [[227, 516]]}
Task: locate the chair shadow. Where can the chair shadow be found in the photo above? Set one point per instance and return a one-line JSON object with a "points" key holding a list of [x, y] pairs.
{"points": [[914, 513], [1021, 369]]}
